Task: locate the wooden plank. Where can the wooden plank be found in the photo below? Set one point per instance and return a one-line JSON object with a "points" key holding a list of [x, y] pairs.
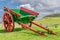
{"points": [[29, 11]]}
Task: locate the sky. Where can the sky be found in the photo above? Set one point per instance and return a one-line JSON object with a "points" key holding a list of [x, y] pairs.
{"points": [[43, 7]]}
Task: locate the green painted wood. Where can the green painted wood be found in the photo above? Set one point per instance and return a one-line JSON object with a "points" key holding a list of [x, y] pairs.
{"points": [[25, 17]]}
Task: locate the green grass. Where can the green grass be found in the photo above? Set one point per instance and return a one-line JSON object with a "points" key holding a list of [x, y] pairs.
{"points": [[25, 34]]}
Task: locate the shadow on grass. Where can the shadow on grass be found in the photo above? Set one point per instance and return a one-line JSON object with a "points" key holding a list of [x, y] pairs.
{"points": [[30, 33], [3, 31], [15, 30], [47, 32], [20, 29]]}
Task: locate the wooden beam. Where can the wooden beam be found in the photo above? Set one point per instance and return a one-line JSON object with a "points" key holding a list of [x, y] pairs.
{"points": [[29, 11], [11, 11]]}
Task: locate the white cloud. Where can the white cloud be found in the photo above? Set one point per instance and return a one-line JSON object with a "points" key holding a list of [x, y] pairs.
{"points": [[28, 6], [43, 4]]}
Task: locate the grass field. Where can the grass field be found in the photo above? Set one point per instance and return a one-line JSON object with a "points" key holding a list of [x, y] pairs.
{"points": [[25, 34]]}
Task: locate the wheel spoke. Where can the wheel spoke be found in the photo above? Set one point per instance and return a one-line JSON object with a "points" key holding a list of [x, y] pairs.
{"points": [[8, 22]]}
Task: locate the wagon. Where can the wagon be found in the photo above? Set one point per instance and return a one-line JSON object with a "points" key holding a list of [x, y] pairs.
{"points": [[23, 17]]}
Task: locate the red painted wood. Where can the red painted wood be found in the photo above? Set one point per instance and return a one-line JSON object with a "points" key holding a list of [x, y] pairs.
{"points": [[27, 26], [8, 22], [30, 24], [29, 11], [44, 28], [12, 12]]}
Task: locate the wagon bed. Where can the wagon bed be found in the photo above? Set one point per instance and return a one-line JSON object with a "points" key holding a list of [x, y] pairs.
{"points": [[25, 17]]}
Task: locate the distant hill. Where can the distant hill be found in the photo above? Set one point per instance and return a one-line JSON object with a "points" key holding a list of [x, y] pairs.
{"points": [[53, 15]]}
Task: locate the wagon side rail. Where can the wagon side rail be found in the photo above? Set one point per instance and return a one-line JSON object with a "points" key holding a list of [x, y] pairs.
{"points": [[29, 11], [11, 11]]}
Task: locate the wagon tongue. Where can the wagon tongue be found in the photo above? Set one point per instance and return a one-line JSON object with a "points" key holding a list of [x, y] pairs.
{"points": [[44, 28], [27, 26]]}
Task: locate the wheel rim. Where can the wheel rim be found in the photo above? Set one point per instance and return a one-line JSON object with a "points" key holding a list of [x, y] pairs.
{"points": [[8, 22]]}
